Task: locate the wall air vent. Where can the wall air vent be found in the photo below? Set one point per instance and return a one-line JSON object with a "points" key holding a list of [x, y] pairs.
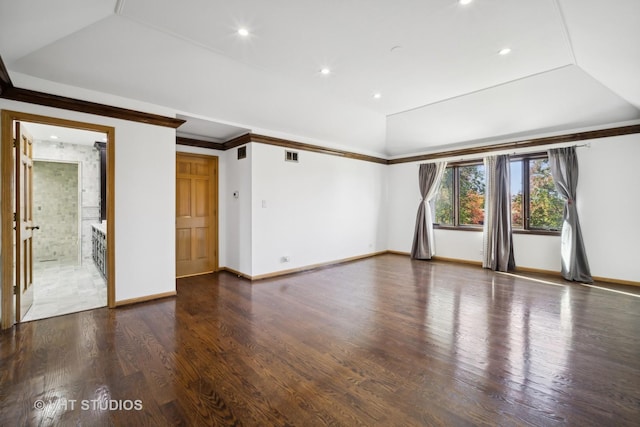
{"points": [[242, 152], [291, 156]]}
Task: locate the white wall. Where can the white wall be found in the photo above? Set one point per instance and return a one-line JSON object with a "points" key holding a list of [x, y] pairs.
{"points": [[145, 210], [324, 208], [404, 198], [532, 251], [327, 208], [144, 200], [537, 251], [608, 205], [238, 227]]}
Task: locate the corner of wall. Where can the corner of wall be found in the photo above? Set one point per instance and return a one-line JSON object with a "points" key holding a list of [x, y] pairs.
{"points": [[238, 197]]}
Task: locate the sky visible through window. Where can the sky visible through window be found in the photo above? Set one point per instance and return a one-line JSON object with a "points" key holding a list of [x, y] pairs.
{"points": [[516, 178]]}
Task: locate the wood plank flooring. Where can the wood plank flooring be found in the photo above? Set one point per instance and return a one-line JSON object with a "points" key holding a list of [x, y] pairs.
{"points": [[380, 342]]}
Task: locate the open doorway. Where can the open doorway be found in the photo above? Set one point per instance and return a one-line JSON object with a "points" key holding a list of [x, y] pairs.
{"points": [[59, 203], [67, 208]]}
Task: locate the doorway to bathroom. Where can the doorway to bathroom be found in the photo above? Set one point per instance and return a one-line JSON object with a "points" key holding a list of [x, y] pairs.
{"points": [[66, 208], [58, 187]]}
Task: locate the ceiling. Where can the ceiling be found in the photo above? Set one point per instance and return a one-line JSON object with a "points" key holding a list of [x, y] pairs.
{"points": [[58, 134], [573, 64]]}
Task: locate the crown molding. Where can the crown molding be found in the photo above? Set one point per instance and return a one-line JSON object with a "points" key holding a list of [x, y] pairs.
{"points": [[237, 141], [8, 91], [462, 152], [314, 148], [269, 140], [192, 142], [72, 104], [526, 143], [5, 80]]}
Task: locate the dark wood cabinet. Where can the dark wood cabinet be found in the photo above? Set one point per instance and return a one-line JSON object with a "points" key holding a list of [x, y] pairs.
{"points": [[99, 246]]}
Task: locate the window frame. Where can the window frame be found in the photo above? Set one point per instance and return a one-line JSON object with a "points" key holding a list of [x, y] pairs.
{"points": [[456, 198], [526, 196]]}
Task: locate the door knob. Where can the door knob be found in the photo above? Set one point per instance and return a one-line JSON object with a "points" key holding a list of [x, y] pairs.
{"points": [[37, 227]]}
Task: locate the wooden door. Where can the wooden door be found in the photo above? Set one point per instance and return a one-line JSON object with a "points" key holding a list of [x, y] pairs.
{"points": [[196, 214], [24, 221]]}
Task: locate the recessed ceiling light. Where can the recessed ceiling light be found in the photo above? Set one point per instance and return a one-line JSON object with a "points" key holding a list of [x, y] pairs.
{"points": [[464, 2], [325, 71], [243, 32], [54, 137], [504, 51], [377, 95]]}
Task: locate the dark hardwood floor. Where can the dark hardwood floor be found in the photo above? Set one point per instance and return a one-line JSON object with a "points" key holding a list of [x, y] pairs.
{"points": [[379, 342]]}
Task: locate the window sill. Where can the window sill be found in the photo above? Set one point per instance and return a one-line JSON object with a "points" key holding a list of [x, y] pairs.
{"points": [[480, 229], [537, 232], [458, 228]]}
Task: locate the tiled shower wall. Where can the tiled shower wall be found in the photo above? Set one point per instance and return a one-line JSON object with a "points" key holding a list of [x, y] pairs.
{"points": [[55, 211], [89, 159]]}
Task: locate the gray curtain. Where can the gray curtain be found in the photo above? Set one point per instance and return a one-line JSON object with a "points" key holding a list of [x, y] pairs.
{"points": [[498, 238], [564, 168], [429, 177]]}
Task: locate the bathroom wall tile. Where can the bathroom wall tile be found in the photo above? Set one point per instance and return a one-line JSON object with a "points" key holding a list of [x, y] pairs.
{"points": [[55, 211], [88, 159]]}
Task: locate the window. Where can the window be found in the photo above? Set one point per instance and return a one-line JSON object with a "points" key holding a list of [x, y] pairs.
{"points": [[471, 195], [444, 199], [535, 203], [536, 206], [460, 199]]}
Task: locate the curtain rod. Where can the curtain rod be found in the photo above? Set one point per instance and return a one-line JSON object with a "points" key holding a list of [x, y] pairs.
{"points": [[585, 145], [515, 153]]}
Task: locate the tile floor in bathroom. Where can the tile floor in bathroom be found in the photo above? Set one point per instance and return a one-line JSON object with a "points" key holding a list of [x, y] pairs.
{"points": [[63, 288]]}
